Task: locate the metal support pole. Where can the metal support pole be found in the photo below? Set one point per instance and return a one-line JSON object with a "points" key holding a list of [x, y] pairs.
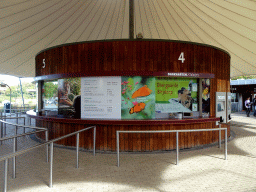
{"points": [[94, 140], [177, 148], [226, 145], [14, 158], [1, 132], [47, 146], [2, 129], [22, 93], [117, 147], [51, 163], [131, 19], [17, 120], [5, 174], [77, 150], [10, 101], [16, 130], [5, 126], [219, 136], [24, 129]]}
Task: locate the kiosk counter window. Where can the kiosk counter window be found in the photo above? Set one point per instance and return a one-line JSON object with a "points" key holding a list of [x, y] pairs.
{"points": [[126, 97]]}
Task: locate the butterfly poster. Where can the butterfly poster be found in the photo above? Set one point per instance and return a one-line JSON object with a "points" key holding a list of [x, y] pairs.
{"points": [[138, 97]]}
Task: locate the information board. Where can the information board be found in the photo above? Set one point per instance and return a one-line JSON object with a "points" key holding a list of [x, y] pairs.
{"points": [[176, 95], [101, 97]]}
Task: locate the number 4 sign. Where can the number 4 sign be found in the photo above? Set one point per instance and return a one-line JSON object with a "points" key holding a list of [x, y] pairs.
{"points": [[181, 57]]}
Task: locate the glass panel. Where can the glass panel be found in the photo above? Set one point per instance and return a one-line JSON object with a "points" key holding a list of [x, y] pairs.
{"points": [[50, 96]]}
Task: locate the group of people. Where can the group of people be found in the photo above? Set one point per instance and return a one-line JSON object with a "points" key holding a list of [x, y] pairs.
{"points": [[248, 105]]}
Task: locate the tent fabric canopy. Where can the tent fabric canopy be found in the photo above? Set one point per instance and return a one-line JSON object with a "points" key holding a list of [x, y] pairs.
{"points": [[29, 26]]}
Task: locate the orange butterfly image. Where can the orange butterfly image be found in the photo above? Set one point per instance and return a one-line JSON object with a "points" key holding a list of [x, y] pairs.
{"points": [[137, 108], [142, 92]]}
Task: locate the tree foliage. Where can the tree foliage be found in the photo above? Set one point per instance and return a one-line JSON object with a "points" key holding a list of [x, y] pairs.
{"points": [[50, 90], [244, 77]]}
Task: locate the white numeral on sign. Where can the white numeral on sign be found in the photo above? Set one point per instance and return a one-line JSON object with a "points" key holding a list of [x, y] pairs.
{"points": [[43, 63], [181, 57]]}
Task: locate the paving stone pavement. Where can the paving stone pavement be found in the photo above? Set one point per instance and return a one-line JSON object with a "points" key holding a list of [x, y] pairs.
{"points": [[198, 170]]}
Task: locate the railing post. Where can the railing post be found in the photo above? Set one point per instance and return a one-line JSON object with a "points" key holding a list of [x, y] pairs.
{"points": [[5, 126], [1, 131], [14, 158], [77, 150], [219, 136], [5, 174], [51, 163], [47, 146], [226, 144], [24, 129], [117, 147], [17, 120], [94, 140], [16, 130], [29, 121], [177, 148]]}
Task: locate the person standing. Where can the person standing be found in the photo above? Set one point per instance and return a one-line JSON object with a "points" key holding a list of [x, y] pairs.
{"points": [[247, 104], [254, 104]]}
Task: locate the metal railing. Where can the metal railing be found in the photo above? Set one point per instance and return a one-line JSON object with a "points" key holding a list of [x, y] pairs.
{"points": [[177, 139], [5, 158], [3, 125], [14, 110], [14, 148], [29, 119], [20, 135]]}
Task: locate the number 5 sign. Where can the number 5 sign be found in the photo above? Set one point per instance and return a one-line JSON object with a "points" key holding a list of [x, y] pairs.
{"points": [[43, 63], [181, 57]]}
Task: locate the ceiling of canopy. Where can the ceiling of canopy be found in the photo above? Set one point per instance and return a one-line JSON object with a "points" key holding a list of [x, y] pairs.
{"points": [[29, 26]]}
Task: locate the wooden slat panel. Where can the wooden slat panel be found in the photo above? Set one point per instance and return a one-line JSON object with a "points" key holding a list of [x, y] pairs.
{"points": [[106, 136], [143, 140]]}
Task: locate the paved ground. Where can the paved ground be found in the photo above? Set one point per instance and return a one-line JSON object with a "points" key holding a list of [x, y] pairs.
{"points": [[198, 170]]}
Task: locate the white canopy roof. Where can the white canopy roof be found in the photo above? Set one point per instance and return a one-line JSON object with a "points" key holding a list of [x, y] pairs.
{"points": [[29, 26]]}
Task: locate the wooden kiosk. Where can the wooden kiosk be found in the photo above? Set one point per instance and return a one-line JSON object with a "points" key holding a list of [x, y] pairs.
{"points": [[163, 59]]}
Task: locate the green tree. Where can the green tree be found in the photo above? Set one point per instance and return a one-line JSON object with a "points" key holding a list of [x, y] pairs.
{"points": [[75, 85], [244, 77], [50, 90]]}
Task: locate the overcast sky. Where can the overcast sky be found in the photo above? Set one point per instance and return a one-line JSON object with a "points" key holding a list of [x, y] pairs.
{"points": [[12, 80]]}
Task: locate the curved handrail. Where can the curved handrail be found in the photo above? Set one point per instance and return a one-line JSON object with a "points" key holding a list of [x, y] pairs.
{"points": [[13, 155], [25, 126], [20, 135], [177, 138], [16, 136], [42, 144], [14, 111]]}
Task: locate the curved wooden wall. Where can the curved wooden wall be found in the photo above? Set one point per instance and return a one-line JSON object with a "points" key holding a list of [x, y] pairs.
{"points": [[106, 134], [141, 56], [135, 57]]}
